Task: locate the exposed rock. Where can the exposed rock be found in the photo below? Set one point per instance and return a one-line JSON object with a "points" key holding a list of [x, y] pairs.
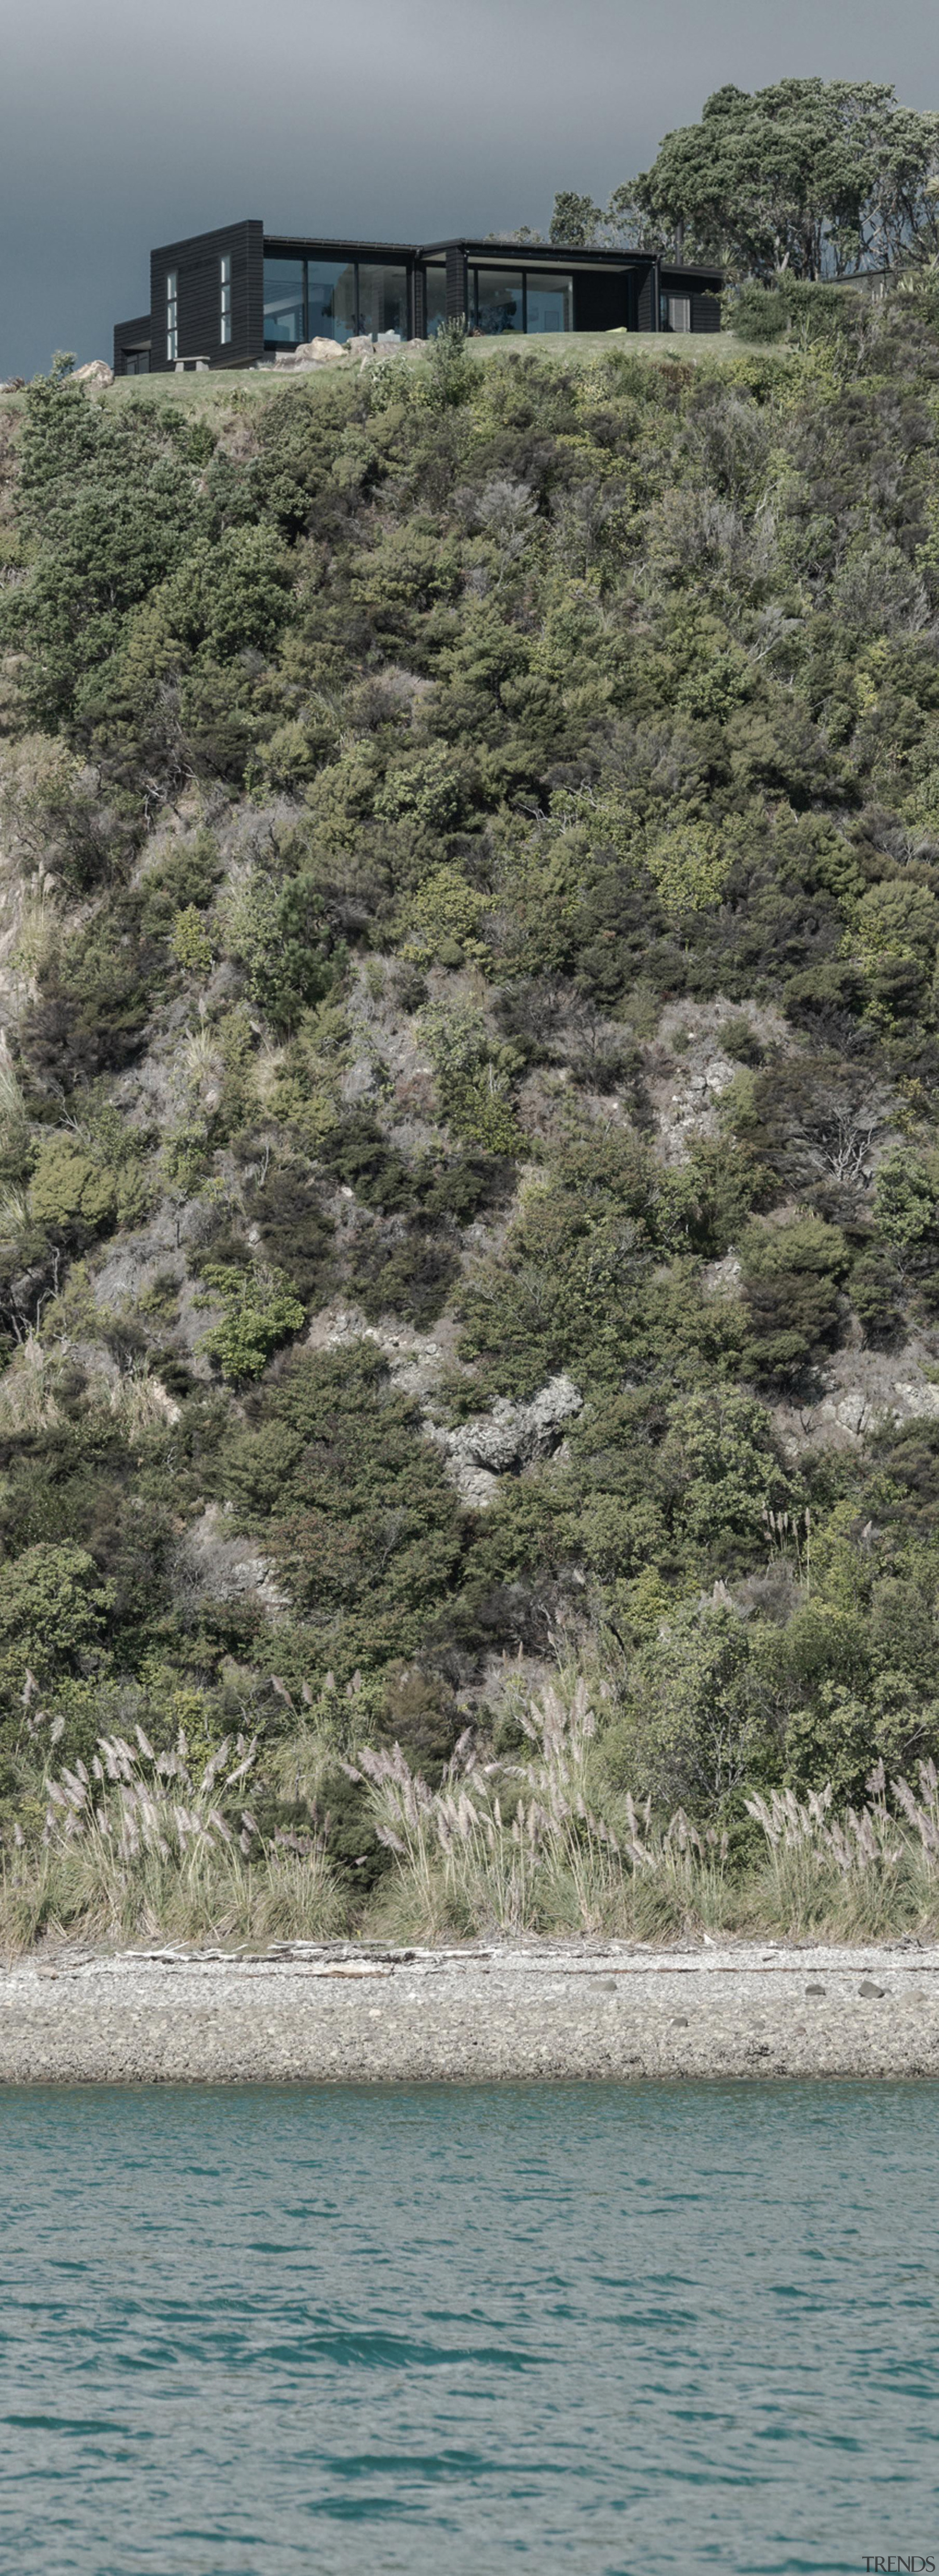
{"points": [[721, 1278], [95, 372], [507, 1438], [318, 352], [211, 1566], [688, 1069], [864, 1392]]}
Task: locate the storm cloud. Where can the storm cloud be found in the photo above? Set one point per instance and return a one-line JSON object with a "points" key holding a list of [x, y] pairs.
{"points": [[395, 119]]}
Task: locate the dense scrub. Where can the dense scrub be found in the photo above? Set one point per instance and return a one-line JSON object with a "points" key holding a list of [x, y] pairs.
{"points": [[470, 842]]}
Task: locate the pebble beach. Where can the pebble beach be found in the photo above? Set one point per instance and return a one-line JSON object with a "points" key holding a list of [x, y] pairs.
{"points": [[338, 2013]]}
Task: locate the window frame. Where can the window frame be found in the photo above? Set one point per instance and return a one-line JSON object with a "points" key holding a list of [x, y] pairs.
{"points": [[310, 260], [497, 268], [225, 300], [172, 316]]}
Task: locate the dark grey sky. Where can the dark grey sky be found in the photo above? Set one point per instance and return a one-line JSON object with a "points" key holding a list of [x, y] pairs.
{"points": [[397, 118]]}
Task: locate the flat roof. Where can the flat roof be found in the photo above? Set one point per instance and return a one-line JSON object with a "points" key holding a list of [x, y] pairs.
{"points": [[499, 254], [344, 248]]}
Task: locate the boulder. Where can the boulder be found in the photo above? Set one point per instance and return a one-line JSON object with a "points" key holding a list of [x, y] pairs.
{"points": [[320, 352], [507, 1438], [95, 372]]}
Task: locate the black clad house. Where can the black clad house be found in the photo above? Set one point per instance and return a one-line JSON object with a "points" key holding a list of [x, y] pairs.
{"points": [[233, 298]]}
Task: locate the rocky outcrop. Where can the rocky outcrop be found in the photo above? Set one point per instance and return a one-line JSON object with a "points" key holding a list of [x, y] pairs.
{"points": [[95, 372], [507, 1438], [862, 1392], [210, 1565]]}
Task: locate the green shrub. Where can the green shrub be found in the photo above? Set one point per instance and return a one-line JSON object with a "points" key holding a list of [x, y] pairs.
{"points": [[877, 1295], [261, 1312], [792, 1275], [53, 1611], [70, 1195], [352, 1506], [757, 312], [189, 943], [281, 938], [475, 1076]]}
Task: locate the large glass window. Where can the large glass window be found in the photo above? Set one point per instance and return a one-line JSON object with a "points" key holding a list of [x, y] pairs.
{"points": [[326, 299], [498, 300], [224, 332], [436, 285], [383, 300], [549, 301], [331, 305], [172, 316], [283, 301]]}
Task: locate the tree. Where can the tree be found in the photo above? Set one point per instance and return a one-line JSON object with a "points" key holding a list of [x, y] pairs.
{"points": [[52, 1612], [574, 220], [807, 178]]}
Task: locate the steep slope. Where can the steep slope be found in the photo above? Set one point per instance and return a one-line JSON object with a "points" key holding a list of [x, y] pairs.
{"points": [[470, 1180]]}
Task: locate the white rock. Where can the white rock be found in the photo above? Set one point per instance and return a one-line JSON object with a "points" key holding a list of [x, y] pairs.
{"points": [[321, 351], [508, 1436]]}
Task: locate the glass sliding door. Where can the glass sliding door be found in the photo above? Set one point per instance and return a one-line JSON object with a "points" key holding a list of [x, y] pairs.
{"points": [[382, 299], [549, 301], [435, 279], [497, 301], [331, 299], [283, 302], [515, 299]]}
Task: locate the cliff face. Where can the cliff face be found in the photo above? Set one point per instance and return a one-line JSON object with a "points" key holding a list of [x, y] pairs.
{"points": [[470, 903]]}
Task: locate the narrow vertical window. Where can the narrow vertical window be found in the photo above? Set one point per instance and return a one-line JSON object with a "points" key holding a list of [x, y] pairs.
{"points": [[172, 335], [225, 322]]}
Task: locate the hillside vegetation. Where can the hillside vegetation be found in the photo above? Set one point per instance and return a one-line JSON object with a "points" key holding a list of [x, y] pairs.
{"points": [[468, 1117]]}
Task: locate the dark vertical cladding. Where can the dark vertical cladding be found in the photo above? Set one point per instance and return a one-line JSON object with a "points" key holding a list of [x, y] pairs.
{"points": [[705, 313], [132, 346], [253, 314], [647, 300], [601, 299], [196, 265], [456, 282]]}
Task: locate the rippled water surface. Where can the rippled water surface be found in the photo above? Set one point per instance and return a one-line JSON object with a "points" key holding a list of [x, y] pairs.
{"points": [[591, 2328]]}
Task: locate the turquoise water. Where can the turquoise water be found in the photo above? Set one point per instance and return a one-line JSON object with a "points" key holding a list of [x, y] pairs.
{"points": [[595, 2329]]}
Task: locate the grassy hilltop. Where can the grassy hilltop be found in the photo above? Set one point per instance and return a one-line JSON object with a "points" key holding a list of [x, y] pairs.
{"points": [[469, 1207]]}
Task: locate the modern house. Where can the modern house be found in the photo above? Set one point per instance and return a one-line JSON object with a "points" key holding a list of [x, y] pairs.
{"points": [[234, 298]]}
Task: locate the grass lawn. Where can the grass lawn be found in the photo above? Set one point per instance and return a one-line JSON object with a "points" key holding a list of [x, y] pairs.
{"points": [[699, 349]]}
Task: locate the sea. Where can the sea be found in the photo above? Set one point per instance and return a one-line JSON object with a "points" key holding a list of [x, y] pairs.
{"points": [[451, 2331]]}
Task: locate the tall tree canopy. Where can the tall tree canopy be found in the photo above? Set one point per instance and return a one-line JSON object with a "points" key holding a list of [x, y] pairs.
{"points": [[574, 219], [808, 176]]}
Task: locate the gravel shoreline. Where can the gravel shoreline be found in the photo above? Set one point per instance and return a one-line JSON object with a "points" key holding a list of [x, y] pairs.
{"points": [[334, 2013]]}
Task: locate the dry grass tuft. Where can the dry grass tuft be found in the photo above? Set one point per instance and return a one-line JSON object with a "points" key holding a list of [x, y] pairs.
{"points": [[517, 1848], [138, 1846]]}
